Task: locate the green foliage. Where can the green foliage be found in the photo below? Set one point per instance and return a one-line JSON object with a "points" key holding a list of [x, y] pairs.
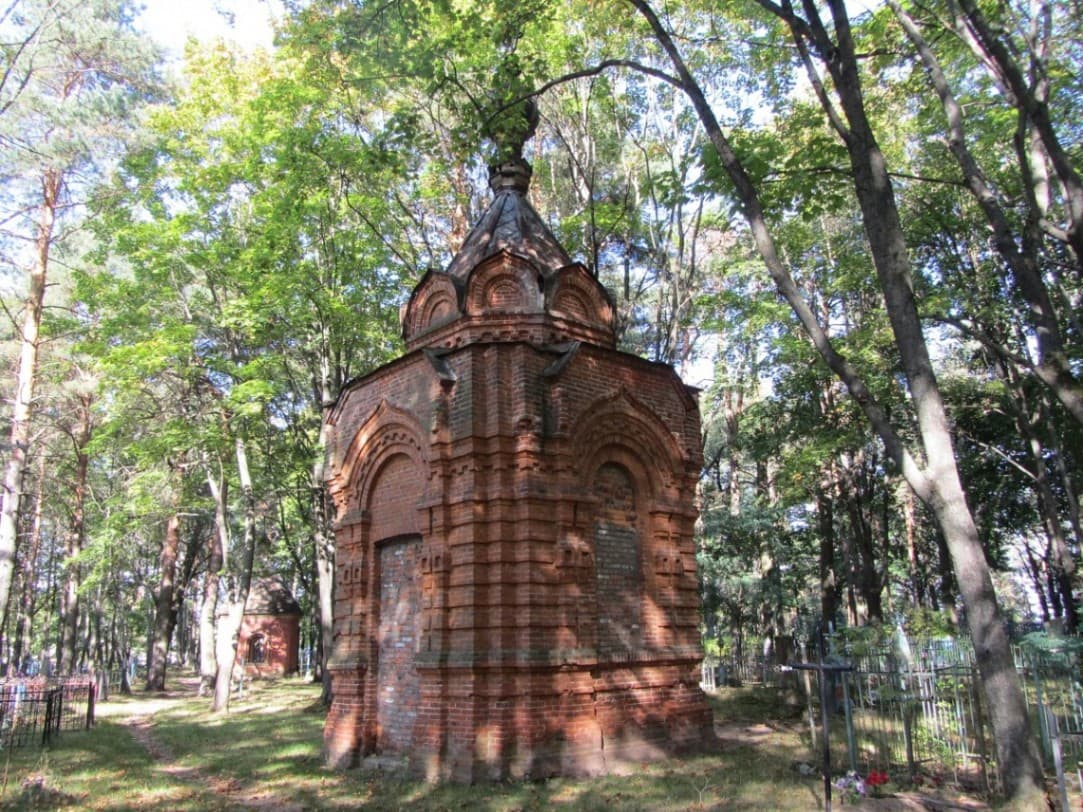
{"points": [[857, 641], [924, 623], [1049, 643], [251, 252]]}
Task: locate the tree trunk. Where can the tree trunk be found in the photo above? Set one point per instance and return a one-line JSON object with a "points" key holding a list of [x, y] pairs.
{"points": [[120, 649], [732, 405], [22, 407], [164, 613], [948, 589], [325, 573], [1061, 561], [1035, 570], [227, 626], [938, 484], [69, 595], [325, 551], [218, 547], [914, 570], [229, 617], [829, 591], [858, 503], [28, 568]]}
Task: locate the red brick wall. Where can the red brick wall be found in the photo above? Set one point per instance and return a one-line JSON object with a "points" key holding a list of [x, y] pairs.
{"points": [[619, 569], [280, 639], [552, 582], [397, 684]]}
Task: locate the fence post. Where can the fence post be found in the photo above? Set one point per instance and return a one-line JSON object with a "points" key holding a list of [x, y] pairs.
{"points": [[92, 690], [1058, 760], [851, 745], [54, 703]]}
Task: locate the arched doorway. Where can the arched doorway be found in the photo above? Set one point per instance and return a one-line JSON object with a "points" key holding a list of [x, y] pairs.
{"points": [[618, 559], [393, 508]]}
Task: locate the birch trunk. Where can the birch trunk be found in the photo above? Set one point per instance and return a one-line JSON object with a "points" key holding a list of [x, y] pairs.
{"points": [[228, 618]]}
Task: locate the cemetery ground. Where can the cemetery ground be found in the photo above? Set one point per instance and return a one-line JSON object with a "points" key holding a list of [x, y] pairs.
{"points": [[168, 752]]}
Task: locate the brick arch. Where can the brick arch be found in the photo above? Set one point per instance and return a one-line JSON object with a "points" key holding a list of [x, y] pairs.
{"points": [[573, 304], [504, 283], [389, 432], [439, 309], [575, 294], [433, 303], [621, 429]]}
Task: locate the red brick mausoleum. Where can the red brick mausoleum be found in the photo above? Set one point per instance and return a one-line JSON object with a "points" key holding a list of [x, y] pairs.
{"points": [[516, 591], [270, 630]]}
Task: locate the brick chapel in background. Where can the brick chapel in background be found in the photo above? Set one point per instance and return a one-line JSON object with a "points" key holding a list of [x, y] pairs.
{"points": [[270, 630], [516, 591]]}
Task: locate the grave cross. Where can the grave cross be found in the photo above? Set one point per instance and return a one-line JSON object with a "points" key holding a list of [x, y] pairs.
{"points": [[821, 668]]}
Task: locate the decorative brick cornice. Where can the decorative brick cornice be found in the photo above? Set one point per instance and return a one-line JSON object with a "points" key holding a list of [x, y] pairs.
{"points": [[557, 658]]}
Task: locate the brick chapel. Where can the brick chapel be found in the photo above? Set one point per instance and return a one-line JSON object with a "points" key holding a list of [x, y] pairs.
{"points": [[270, 630], [516, 591]]}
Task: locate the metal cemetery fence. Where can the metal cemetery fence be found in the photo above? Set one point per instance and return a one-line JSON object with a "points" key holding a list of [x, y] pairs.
{"points": [[34, 711], [923, 711], [920, 709], [1053, 682], [916, 707]]}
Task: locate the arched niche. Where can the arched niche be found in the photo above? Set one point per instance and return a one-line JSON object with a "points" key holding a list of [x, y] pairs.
{"points": [[574, 294], [629, 470], [387, 432], [617, 488], [618, 420], [504, 283], [433, 303]]}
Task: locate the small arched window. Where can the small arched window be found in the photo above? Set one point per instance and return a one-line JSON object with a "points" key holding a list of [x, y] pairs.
{"points": [[257, 648]]}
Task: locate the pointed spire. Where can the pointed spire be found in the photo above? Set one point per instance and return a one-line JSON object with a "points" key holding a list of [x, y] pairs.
{"points": [[510, 224]]}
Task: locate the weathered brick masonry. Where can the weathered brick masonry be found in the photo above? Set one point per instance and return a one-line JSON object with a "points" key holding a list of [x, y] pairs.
{"points": [[515, 583]]}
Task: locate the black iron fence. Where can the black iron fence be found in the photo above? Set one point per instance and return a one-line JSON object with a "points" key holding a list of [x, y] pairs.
{"points": [[915, 706], [34, 711]]}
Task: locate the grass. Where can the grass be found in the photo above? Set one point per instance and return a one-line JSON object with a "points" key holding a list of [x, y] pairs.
{"points": [[265, 754]]}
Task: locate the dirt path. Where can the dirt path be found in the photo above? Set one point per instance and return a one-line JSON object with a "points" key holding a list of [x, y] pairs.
{"points": [[232, 792]]}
